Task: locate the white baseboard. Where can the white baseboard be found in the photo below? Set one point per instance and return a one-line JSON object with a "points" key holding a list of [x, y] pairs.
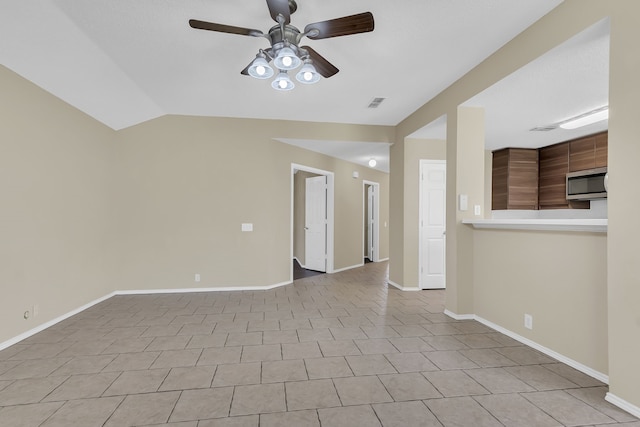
{"points": [[50, 323], [623, 404], [551, 353], [383, 259], [526, 341], [65, 316], [298, 261], [196, 290], [403, 288], [455, 316], [347, 268]]}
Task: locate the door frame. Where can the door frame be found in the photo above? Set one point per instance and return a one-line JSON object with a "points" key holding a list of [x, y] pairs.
{"points": [[423, 163], [376, 216], [330, 213]]}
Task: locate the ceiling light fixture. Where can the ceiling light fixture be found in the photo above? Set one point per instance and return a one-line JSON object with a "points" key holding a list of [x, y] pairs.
{"points": [[372, 163], [282, 82], [260, 68], [585, 119], [308, 73], [285, 57], [284, 38]]}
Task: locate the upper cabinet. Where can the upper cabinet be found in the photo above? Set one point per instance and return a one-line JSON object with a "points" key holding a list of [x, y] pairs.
{"points": [[588, 153], [515, 179], [536, 179], [554, 165], [602, 149]]}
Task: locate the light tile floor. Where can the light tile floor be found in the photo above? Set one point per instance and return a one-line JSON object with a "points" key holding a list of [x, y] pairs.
{"points": [[330, 350]]}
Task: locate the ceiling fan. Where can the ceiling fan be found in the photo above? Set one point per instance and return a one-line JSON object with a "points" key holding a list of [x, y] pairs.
{"points": [[285, 51]]}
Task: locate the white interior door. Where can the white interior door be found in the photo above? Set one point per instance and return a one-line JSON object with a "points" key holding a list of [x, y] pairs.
{"points": [[315, 218], [370, 221], [433, 190]]}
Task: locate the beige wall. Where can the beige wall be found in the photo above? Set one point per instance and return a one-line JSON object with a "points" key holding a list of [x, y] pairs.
{"points": [[623, 286], [545, 274], [188, 190], [56, 246], [624, 204]]}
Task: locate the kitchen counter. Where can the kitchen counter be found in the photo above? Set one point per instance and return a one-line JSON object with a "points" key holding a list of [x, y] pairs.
{"points": [[579, 225]]}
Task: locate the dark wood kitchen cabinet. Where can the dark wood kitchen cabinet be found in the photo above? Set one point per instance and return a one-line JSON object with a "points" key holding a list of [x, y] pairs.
{"points": [[536, 179], [554, 166], [602, 150], [589, 152], [515, 179]]}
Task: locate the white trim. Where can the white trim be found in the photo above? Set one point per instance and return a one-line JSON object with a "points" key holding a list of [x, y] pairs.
{"points": [[299, 263], [551, 353], [197, 290], [376, 211], [348, 268], [383, 259], [455, 316], [50, 323], [578, 225], [330, 212], [403, 288], [526, 341], [623, 404]]}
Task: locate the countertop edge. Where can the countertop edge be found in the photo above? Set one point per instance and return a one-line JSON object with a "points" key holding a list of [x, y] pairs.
{"points": [[577, 225]]}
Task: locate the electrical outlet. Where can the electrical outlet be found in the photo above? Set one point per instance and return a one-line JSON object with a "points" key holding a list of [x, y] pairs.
{"points": [[197, 277], [528, 321]]}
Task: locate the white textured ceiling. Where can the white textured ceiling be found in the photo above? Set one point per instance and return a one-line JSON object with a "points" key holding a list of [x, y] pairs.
{"points": [[357, 152], [566, 82], [124, 62]]}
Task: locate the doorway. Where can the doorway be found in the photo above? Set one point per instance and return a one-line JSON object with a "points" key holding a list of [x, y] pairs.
{"points": [[371, 229], [312, 220], [432, 223]]}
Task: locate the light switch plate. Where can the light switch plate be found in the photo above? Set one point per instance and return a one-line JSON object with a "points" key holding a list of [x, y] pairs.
{"points": [[463, 202], [477, 211], [247, 227]]}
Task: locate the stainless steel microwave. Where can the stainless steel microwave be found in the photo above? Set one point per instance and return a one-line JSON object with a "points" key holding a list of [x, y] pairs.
{"points": [[587, 184]]}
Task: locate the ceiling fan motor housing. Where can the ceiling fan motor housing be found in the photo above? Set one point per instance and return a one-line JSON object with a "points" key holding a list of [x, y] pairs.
{"points": [[291, 35], [293, 6]]}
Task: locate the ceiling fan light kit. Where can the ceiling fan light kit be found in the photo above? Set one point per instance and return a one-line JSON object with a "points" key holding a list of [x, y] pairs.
{"points": [[282, 82], [308, 73], [260, 68], [285, 51]]}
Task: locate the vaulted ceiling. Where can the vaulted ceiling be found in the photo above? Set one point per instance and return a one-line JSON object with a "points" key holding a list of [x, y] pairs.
{"points": [[124, 62]]}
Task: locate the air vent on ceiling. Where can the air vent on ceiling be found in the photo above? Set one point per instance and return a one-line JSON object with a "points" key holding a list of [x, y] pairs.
{"points": [[375, 103], [544, 128]]}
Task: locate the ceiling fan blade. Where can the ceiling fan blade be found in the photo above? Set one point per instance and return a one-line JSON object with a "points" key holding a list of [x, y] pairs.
{"points": [[354, 24], [245, 72], [324, 67], [279, 7], [230, 29]]}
